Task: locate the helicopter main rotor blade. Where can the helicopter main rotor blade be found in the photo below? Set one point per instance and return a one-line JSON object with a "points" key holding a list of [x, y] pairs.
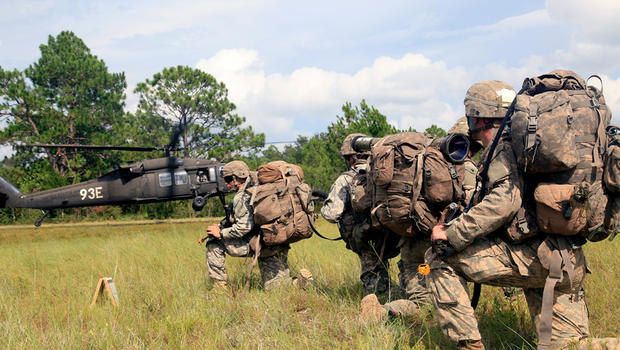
{"points": [[174, 140], [94, 147]]}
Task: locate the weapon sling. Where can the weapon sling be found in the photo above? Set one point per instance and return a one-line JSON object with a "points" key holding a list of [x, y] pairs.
{"points": [[320, 235]]}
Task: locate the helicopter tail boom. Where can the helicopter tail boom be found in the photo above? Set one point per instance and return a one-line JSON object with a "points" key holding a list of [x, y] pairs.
{"points": [[11, 196]]}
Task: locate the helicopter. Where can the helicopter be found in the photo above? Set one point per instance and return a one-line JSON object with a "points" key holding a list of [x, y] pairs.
{"points": [[147, 181]]}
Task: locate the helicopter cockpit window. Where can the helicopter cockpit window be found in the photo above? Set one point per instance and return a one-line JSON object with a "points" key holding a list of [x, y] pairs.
{"points": [[165, 180], [201, 177], [180, 178], [212, 174]]}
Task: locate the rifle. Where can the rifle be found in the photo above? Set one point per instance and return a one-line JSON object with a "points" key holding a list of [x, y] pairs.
{"points": [[441, 248], [319, 195], [225, 222]]}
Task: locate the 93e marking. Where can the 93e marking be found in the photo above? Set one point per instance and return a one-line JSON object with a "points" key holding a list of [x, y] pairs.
{"points": [[91, 193]]}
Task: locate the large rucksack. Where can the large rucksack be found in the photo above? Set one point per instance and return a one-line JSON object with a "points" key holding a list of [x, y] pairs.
{"points": [[611, 180], [408, 184], [282, 203], [558, 136]]}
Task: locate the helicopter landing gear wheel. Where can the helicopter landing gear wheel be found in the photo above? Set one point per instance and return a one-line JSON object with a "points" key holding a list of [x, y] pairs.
{"points": [[198, 203]]}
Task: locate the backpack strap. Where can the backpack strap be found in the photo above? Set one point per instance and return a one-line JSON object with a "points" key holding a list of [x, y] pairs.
{"points": [[601, 136], [320, 235], [457, 187], [417, 183], [256, 248], [559, 257], [546, 313]]}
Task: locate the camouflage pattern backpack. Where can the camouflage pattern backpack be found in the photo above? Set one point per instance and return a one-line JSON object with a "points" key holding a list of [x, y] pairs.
{"points": [[611, 180], [558, 123], [282, 207], [558, 136], [411, 183], [361, 193]]}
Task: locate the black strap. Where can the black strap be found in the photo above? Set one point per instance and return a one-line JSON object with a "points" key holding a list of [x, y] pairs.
{"points": [[487, 161], [476, 295], [317, 232]]}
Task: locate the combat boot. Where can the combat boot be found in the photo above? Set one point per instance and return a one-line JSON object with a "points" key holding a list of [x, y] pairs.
{"points": [[220, 286], [372, 310], [470, 345], [304, 279]]}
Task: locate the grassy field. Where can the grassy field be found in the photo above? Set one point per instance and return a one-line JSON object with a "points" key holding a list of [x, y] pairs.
{"points": [[48, 277]]}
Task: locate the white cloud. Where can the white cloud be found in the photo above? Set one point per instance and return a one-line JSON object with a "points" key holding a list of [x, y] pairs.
{"points": [[512, 24], [411, 90], [240, 69], [611, 90], [11, 10], [597, 19], [168, 16]]}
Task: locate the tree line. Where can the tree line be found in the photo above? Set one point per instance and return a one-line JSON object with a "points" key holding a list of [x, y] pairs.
{"points": [[68, 96]]}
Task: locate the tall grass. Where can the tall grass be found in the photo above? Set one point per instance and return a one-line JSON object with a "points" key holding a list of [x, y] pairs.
{"points": [[48, 277]]}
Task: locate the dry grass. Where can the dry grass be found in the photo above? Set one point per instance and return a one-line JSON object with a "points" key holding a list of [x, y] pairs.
{"points": [[48, 277]]}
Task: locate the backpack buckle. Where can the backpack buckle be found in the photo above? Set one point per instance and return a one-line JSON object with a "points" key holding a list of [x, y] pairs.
{"points": [[532, 123], [522, 226], [453, 173]]}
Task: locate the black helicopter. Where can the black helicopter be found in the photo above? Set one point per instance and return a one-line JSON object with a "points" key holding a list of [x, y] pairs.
{"points": [[147, 181]]}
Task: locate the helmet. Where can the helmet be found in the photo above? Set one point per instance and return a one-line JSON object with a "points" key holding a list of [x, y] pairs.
{"points": [[488, 99], [347, 145], [460, 127], [236, 168]]}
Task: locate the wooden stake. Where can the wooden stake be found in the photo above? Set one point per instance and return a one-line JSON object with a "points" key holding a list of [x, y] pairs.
{"points": [[107, 284]]}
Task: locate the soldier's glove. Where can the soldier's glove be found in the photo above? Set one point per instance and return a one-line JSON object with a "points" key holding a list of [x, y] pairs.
{"points": [[442, 248]]}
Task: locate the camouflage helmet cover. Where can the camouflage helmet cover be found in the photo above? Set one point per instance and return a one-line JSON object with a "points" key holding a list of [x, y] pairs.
{"points": [[347, 145], [236, 168], [488, 99], [460, 127]]}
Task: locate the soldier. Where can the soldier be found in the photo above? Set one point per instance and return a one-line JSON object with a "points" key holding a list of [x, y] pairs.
{"points": [[475, 145], [235, 240], [412, 255], [478, 252], [354, 228]]}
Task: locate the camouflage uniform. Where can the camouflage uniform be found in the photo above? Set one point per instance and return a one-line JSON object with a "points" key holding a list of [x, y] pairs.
{"points": [[485, 257], [412, 252], [235, 241], [366, 244], [414, 286]]}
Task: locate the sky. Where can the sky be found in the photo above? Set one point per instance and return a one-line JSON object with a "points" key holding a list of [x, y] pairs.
{"points": [[289, 66]]}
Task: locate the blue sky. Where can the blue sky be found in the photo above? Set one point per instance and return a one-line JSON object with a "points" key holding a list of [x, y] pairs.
{"points": [[290, 65]]}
